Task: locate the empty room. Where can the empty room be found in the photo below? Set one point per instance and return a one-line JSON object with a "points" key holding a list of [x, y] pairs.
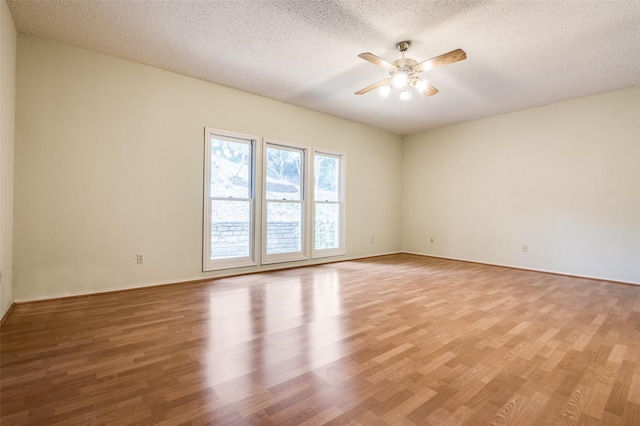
{"points": [[342, 212]]}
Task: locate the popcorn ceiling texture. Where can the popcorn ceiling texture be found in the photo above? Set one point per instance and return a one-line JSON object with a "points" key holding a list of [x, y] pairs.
{"points": [[521, 54]]}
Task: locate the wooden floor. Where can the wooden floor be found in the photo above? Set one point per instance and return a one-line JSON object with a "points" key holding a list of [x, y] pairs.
{"points": [[393, 340]]}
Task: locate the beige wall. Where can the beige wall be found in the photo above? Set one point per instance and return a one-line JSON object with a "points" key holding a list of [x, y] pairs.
{"points": [[7, 116], [563, 179], [109, 163]]}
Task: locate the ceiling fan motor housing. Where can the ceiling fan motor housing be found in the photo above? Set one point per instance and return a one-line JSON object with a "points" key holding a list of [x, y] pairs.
{"points": [[405, 65]]}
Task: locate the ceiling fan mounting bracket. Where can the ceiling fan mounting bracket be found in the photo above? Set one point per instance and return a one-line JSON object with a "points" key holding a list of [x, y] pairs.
{"points": [[403, 46]]}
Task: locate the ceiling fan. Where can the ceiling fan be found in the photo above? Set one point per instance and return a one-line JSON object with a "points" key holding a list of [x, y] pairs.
{"points": [[404, 71]]}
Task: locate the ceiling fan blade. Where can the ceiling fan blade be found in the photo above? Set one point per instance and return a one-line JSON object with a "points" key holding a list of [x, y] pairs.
{"points": [[423, 87], [374, 86], [444, 59], [377, 61], [430, 90]]}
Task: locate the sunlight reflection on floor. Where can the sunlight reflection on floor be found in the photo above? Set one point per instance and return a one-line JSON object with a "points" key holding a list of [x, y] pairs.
{"points": [[257, 332]]}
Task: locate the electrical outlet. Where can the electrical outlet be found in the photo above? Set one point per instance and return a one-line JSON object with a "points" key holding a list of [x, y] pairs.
{"points": [[140, 258], [525, 248]]}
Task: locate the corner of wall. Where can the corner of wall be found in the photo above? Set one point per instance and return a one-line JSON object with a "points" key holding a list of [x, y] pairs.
{"points": [[8, 39]]}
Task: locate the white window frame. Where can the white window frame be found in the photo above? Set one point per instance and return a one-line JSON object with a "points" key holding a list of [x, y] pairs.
{"points": [[304, 241], [341, 249], [209, 264]]}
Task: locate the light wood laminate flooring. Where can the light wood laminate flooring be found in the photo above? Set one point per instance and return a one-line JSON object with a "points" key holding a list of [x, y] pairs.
{"points": [[397, 340]]}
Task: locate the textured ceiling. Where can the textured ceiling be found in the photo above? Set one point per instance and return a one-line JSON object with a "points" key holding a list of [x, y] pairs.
{"points": [[520, 54]]}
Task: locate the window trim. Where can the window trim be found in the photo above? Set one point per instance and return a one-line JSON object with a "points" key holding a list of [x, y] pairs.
{"points": [[303, 254], [209, 264], [341, 249]]}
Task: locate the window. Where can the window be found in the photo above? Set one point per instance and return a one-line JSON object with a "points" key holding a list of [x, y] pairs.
{"points": [[229, 200], [328, 204], [284, 212], [245, 180]]}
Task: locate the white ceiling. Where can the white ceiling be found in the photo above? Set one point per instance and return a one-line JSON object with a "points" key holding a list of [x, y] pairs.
{"points": [[520, 54]]}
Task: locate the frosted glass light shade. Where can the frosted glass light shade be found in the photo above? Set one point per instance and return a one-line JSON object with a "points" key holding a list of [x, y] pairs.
{"points": [[400, 80]]}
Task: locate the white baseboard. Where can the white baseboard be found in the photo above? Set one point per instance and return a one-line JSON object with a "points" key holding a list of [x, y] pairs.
{"points": [[546, 271], [275, 267], [5, 314], [218, 274]]}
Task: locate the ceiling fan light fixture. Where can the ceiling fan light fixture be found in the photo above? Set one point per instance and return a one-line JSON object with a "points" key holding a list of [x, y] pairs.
{"points": [[385, 90], [405, 94], [400, 80]]}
